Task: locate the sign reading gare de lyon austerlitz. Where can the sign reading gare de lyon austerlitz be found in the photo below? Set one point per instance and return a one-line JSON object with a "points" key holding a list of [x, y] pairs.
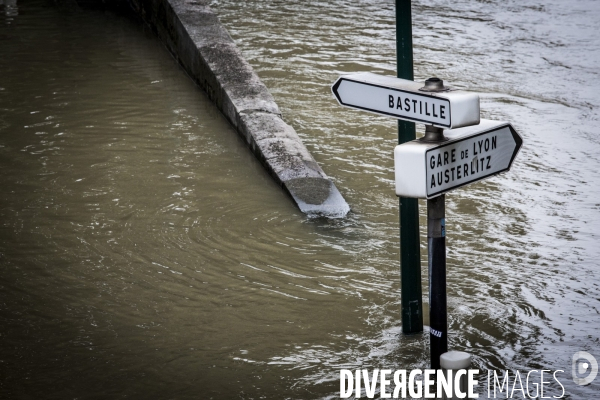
{"points": [[426, 170]]}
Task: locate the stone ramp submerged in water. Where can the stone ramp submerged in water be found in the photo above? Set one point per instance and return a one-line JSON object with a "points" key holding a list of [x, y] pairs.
{"points": [[194, 35]]}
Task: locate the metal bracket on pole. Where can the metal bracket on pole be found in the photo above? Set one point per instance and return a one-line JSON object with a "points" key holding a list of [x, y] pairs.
{"points": [[433, 135]]}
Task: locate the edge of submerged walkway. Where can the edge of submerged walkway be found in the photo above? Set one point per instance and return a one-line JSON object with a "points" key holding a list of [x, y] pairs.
{"points": [[194, 35]]}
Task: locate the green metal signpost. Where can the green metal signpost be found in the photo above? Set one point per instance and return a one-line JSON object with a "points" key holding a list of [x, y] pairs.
{"points": [[410, 259]]}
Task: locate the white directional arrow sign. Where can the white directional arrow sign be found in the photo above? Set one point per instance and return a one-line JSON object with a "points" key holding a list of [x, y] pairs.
{"points": [[426, 170], [403, 99]]}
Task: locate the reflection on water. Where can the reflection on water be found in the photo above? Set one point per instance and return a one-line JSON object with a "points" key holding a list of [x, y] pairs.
{"points": [[10, 9], [144, 252]]}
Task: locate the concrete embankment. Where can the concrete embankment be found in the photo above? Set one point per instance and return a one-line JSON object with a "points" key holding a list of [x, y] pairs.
{"points": [[196, 38]]}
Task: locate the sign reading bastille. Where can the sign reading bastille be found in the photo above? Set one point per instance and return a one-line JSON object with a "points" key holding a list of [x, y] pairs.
{"points": [[403, 99]]}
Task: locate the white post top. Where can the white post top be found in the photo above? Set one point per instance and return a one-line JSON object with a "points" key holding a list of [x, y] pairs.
{"points": [[455, 360]]}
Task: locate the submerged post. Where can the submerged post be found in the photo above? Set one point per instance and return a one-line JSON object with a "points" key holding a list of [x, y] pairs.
{"points": [[436, 248], [436, 245], [410, 258]]}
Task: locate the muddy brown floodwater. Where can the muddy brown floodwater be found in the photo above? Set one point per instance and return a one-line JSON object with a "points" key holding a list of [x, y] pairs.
{"points": [[145, 252]]}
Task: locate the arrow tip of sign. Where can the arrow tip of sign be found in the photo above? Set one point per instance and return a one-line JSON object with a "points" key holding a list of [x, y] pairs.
{"points": [[334, 89]]}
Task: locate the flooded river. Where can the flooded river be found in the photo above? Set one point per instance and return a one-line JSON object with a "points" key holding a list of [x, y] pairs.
{"points": [[145, 252]]}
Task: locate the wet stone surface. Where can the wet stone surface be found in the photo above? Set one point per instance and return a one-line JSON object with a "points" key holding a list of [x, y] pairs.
{"points": [[310, 190]]}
